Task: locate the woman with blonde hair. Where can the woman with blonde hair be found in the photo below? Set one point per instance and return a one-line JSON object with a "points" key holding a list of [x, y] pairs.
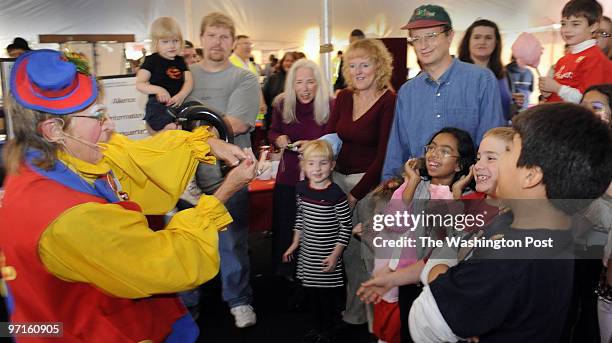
{"points": [[301, 115], [362, 118], [72, 220]]}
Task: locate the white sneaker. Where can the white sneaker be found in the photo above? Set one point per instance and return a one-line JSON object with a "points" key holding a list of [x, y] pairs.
{"points": [[244, 316]]}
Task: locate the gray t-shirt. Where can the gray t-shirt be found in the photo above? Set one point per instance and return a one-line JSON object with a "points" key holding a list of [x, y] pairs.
{"points": [[233, 91]]}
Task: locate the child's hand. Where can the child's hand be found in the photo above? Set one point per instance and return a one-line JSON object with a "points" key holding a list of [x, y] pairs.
{"points": [[411, 172], [372, 290], [288, 255], [358, 230], [176, 100], [545, 95], [162, 96], [329, 263], [460, 184], [352, 201], [383, 271], [548, 84], [519, 99]]}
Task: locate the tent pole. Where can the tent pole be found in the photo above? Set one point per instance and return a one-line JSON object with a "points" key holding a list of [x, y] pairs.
{"points": [[189, 21], [325, 36]]}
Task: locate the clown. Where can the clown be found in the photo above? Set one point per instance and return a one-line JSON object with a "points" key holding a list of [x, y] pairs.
{"points": [[72, 220]]}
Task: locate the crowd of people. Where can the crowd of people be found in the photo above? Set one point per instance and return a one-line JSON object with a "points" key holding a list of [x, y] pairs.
{"points": [[458, 139]]}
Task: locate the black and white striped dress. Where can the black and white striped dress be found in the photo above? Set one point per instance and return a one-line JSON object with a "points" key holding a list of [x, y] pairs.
{"points": [[324, 219]]}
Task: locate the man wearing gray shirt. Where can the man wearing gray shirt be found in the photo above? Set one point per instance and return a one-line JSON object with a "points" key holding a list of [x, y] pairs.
{"points": [[233, 92]]}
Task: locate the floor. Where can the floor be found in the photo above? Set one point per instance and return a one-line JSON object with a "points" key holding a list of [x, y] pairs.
{"points": [[276, 322]]}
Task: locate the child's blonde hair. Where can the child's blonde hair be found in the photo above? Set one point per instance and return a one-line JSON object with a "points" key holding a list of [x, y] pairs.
{"points": [[506, 134], [165, 27], [318, 148]]}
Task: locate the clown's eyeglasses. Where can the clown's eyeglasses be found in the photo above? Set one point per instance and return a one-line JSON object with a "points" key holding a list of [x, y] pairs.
{"points": [[97, 112]]}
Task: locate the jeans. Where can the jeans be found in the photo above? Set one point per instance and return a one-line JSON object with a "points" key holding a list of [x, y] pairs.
{"points": [[234, 252]]}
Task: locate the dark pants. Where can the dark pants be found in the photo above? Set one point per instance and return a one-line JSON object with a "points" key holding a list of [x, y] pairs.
{"points": [[283, 221], [156, 115], [326, 307], [582, 324], [407, 295]]}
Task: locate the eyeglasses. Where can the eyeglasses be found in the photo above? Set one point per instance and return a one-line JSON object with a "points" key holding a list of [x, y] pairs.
{"points": [[427, 38], [443, 151], [603, 34], [97, 112]]}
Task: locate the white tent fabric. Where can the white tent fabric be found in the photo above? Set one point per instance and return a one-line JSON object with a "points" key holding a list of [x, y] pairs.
{"points": [[273, 22], [278, 25]]}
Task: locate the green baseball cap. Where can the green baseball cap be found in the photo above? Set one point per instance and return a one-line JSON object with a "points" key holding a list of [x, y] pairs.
{"points": [[428, 16]]}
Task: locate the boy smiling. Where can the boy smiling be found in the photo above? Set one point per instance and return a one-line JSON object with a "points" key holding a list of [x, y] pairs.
{"points": [[586, 64], [560, 151]]}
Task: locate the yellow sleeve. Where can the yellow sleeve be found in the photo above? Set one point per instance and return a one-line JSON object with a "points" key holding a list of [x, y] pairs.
{"points": [[114, 249], [155, 171]]}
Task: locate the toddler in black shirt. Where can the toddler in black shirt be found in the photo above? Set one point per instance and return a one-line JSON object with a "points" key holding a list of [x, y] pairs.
{"points": [[164, 75]]}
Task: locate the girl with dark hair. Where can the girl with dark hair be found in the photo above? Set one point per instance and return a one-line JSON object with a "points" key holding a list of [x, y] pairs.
{"points": [[482, 46], [445, 167], [442, 174]]}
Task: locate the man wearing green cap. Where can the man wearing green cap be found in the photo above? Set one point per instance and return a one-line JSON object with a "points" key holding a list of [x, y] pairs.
{"points": [[447, 93]]}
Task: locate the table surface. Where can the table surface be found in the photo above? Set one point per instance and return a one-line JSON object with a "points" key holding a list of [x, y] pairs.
{"points": [[258, 185]]}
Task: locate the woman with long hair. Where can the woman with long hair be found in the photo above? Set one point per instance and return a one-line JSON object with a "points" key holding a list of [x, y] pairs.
{"points": [[301, 115], [482, 45]]}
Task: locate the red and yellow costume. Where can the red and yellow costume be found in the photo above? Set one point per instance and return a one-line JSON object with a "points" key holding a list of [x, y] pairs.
{"points": [[84, 259]]}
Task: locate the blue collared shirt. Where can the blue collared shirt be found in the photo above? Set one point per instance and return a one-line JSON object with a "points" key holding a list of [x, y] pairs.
{"points": [[465, 96]]}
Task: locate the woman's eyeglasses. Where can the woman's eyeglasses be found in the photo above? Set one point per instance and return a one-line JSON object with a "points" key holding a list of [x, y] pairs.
{"points": [[442, 151]]}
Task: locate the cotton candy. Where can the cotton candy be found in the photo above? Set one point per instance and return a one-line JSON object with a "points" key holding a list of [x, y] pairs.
{"points": [[527, 50]]}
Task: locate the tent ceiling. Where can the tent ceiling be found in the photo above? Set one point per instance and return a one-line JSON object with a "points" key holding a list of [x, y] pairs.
{"points": [[269, 21]]}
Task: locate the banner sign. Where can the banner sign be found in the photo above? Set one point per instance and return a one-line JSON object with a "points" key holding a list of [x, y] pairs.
{"points": [[125, 105]]}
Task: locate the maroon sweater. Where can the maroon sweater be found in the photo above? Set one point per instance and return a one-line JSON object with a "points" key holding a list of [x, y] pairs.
{"points": [[305, 129], [364, 142]]}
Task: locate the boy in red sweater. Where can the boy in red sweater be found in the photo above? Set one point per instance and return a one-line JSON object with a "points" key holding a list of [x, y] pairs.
{"points": [[585, 65]]}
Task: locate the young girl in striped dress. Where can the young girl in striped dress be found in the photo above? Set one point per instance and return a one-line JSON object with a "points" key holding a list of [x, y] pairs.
{"points": [[322, 231]]}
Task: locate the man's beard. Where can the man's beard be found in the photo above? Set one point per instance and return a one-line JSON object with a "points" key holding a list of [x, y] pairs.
{"points": [[216, 57]]}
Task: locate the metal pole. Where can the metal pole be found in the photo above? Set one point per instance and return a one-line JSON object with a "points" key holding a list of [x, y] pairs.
{"points": [[325, 35], [188, 21]]}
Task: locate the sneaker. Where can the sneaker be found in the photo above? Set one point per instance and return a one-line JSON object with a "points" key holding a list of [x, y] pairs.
{"points": [[244, 316]]}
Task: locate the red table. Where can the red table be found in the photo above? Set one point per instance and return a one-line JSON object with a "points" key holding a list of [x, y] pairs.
{"points": [[260, 205]]}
